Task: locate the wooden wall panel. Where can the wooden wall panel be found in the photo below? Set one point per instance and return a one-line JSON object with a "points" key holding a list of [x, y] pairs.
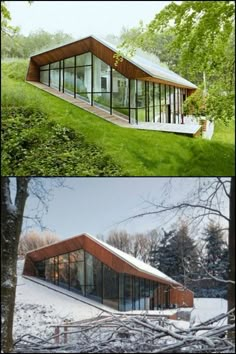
{"points": [[103, 52], [177, 295], [33, 73]]}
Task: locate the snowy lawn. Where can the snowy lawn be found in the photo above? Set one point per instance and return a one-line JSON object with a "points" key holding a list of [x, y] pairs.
{"points": [[38, 308]]}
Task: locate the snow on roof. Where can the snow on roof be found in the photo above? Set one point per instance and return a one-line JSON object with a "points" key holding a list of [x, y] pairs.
{"points": [[134, 262]]}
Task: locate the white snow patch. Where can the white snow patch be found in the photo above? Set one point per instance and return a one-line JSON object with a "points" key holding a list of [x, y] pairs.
{"points": [[206, 308], [7, 284]]}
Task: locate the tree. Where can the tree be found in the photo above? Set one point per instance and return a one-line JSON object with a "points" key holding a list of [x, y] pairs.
{"points": [[11, 221], [12, 213], [215, 251], [202, 33], [33, 240], [120, 240], [6, 28], [209, 198]]}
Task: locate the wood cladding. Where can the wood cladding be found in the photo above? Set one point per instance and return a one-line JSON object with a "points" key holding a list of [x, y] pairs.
{"points": [[178, 294], [90, 44]]}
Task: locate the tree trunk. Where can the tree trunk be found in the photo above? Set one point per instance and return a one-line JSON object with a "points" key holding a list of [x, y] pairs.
{"points": [[11, 220], [231, 287]]}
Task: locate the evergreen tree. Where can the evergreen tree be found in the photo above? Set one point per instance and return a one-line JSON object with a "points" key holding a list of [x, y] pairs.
{"points": [[175, 250], [216, 261]]}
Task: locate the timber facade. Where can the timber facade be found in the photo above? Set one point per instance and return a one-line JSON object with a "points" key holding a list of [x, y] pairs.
{"points": [[136, 90], [96, 270]]}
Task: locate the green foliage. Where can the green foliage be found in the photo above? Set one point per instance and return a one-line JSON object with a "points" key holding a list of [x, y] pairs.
{"points": [[195, 104], [32, 144], [134, 152], [200, 36], [20, 46]]}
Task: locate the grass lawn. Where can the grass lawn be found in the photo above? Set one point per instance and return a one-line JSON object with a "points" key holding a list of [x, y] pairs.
{"points": [[133, 152]]}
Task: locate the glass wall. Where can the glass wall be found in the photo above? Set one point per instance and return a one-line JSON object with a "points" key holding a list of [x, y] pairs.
{"points": [[81, 272], [87, 77]]}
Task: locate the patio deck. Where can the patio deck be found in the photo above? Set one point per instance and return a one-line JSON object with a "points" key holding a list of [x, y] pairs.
{"points": [[186, 129]]}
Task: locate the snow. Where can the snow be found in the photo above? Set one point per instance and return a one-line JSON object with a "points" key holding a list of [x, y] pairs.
{"points": [[206, 308], [8, 284], [146, 268]]}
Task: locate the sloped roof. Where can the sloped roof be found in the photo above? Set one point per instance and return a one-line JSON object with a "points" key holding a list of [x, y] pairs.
{"points": [[140, 265], [151, 68], [145, 69], [77, 242]]}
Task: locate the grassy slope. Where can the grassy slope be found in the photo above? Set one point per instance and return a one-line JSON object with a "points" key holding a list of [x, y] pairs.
{"points": [[142, 152]]}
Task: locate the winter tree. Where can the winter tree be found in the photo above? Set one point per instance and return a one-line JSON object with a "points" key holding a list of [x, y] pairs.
{"points": [[12, 213]]}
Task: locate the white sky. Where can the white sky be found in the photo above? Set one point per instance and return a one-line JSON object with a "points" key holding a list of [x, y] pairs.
{"points": [[98, 205], [82, 18]]}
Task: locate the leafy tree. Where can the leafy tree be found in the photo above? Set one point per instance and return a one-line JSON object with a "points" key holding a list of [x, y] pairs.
{"points": [[201, 38]]}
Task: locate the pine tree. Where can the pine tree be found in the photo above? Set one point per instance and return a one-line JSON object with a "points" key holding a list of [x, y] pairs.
{"points": [[216, 251]]}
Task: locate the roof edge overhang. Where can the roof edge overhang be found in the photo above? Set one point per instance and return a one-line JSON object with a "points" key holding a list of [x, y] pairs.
{"points": [[103, 51], [59, 248]]}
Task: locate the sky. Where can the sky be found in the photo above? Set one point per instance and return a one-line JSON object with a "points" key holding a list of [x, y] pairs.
{"points": [[99, 205], [82, 18]]}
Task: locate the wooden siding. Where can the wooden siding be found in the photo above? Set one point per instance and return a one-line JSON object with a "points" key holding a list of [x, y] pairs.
{"points": [[178, 295], [90, 44]]}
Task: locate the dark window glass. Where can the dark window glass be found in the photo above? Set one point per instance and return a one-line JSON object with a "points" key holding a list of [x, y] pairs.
{"points": [[63, 258], [93, 277], [77, 277], [63, 278], [128, 292], [40, 269], [110, 287]]}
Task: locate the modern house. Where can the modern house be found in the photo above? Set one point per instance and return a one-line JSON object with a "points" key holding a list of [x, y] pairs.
{"points": [[94, 269], [136, 89]]}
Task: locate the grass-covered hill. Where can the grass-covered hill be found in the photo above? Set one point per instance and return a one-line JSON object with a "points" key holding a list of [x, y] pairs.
{"points": [[46, 136]]}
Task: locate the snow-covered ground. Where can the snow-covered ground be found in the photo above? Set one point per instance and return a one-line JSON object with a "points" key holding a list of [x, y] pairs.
{"points": [[39, 307]]}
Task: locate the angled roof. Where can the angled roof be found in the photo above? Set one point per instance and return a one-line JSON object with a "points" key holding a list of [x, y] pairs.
{"points": [[135, 68], [111, 256]]}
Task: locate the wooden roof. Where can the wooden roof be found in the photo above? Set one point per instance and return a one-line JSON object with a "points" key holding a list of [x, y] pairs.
{"points": [[104, 52], [94, 247]]}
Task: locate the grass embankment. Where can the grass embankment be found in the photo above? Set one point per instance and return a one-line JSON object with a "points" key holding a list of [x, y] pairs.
{"points": [[44, 135]]}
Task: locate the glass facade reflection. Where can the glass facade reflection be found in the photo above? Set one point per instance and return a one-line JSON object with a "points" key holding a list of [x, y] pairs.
{"points": [[81, 272], [87, 77]]}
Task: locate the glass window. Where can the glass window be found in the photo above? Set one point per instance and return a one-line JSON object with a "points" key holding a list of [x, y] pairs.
{"points": [[69, 80], [69, 62], [121, 292], [40, 269], [142, 294], [63, 258], [44, 67], [55, 65], [110, 287], [54, 78], [77, 256], [136, 293], [83, 59], [49, 270], [93, 277], [120, 94], [77, 277], [172, 109], [128, 292], [102, 99], [157, 102], [132, 93], [44, 77], [63, 277], [101, 76], [83, 79]]}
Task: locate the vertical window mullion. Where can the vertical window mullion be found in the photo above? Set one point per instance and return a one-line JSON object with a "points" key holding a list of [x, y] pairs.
{"points": [[49, 74], [60, 75], [129, 101], [136, 101], [75, 77], [160, 101], [174, 105], [111, 89], [63, 76], [92, 83]]}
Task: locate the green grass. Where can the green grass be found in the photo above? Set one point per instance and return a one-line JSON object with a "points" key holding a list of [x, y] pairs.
{"points": [[127, 151]]}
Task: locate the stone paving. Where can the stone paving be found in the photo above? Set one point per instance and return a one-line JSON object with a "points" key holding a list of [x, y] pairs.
{"points": [[187, 129]]}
